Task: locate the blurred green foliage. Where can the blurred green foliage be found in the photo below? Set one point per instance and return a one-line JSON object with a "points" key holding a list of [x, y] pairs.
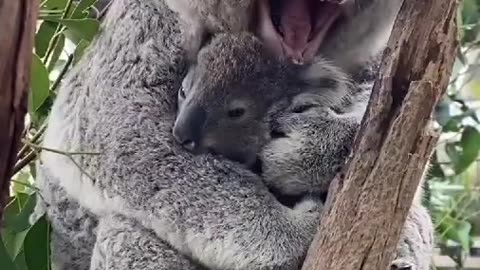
{"points": [[64, 29], [454, 182]]}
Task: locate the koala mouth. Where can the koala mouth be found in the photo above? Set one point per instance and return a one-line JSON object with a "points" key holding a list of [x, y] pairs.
{"points": [[295, 29]]}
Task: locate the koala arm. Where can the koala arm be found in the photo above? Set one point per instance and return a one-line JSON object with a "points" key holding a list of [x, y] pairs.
{"points": [[120, 101], [415, 248], [122, 243]]}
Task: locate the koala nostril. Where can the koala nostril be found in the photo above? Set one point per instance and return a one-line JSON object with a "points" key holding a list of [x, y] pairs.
{"points": [[236, 113], [277, 134], [189, 145]]}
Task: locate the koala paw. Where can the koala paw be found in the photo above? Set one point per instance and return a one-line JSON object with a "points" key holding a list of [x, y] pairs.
{"points": [[309, 204], [402, 264]]}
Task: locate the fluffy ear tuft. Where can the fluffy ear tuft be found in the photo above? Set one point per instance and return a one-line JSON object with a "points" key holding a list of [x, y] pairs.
{"points": [[327, 81], [362, 34]]}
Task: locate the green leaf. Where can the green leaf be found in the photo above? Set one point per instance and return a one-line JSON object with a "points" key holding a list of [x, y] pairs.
{"points": [[54, 4], [43, 37], [80, 28], [22, 183], [13, 241], [81, 10], [452, 152], [57, 51], [435, 170], [5, 260], [79, 50], [470, 143], [20, 222], [39, 84], [453, 124], [36, 245], [456, 230], [20, 261]]}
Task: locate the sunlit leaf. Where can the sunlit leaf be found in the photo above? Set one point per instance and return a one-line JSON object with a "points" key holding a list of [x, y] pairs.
{"points": [[20, 221], [470, 143], [452, 152], [13, 241], [39, 84], [57, 51], [43, 37], [81, 28], [22, 182], [55, 4], [81, 10], [79, 50]]}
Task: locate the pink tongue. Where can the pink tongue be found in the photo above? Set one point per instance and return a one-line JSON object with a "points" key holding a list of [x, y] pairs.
{"points": [[295, 25]]}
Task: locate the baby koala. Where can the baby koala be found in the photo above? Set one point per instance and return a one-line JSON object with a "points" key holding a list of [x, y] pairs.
{"points": [[235, 89]]}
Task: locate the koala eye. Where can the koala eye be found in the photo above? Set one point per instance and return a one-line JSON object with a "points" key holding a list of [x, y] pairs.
{"points": [[181, 92], [236, 113], [302, 108]]}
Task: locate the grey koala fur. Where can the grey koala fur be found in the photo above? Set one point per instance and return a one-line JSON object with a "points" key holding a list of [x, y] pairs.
{"points": [[119, 100], [359, 32], [318, 130], [313, 149], [225, 110]]}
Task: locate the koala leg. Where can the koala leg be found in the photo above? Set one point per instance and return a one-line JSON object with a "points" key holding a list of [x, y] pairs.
{"points": [[73, 227], [123, 244], [415, 248]]}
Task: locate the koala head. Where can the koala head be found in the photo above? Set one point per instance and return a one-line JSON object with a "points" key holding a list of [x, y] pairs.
{"points": [[343, 31], [309, 144], [226, 95]]}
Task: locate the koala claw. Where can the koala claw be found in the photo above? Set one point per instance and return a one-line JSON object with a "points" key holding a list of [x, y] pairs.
{"points": [[402, 264]]}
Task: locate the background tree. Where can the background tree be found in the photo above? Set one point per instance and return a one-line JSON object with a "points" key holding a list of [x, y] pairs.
{"points": [[370, 199], [18, 21]]}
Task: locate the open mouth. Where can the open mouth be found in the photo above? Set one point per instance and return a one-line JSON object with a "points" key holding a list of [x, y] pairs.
{"points": [[295, 29]]}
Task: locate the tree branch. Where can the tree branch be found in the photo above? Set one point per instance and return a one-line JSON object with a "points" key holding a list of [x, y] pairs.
{"points": [[362, 223], [17, 19]]}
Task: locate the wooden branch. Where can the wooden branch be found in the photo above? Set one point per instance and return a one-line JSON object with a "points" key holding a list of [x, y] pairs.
{"points": [[362, 222], [17, 20]]}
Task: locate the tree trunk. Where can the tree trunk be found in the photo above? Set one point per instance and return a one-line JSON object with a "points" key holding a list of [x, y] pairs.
{"points": [[17, 20], [362, 223]]}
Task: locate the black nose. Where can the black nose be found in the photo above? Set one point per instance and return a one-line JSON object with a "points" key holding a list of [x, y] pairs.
{"points": [[189, 126]]}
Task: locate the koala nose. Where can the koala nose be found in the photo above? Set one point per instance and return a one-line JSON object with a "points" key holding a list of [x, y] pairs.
{"points": [[188, 127]]}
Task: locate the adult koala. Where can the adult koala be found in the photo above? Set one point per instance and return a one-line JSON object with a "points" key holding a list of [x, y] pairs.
{"points": [[120, 101]]}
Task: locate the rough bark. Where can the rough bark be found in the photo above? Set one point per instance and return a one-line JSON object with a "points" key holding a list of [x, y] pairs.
{"points": [[373, 194], [17, 20]]}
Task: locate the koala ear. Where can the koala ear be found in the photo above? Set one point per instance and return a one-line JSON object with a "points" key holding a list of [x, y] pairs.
{"points": [[326, 80]]}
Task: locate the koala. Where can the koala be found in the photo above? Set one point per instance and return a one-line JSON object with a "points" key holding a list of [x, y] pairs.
{"points": [[120, 101], [224, 111], [349, 32], [305, 140]]}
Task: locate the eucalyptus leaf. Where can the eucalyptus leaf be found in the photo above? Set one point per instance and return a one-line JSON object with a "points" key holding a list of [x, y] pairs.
{"points": [[80, 28], [20, 221], [43, 37], [5, 260], [57, 51], [470, 144], [54, 4], [39, 84], [81, 10], [36, 245], [79, 50]]}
